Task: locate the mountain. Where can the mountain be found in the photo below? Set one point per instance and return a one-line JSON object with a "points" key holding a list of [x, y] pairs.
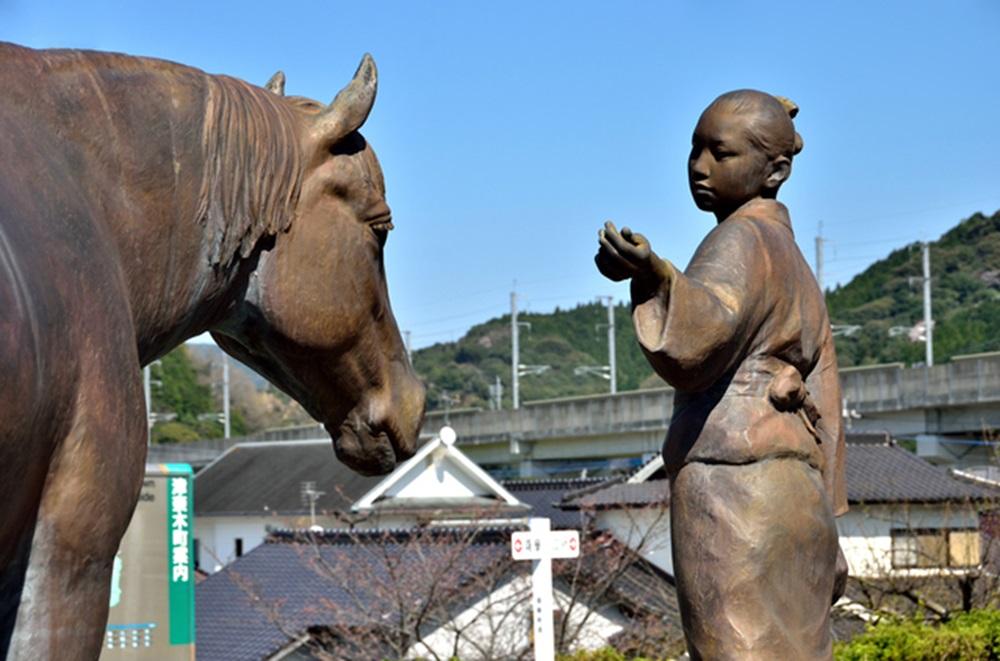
{"points": [[464, 371], [965, 276], [187, 396], [965, 295]]}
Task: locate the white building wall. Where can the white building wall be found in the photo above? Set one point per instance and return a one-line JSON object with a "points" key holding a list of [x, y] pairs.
{"points": [[436, 478], [217, 535], [499, 626], [865, 531], [387, 522], [645, 530]]}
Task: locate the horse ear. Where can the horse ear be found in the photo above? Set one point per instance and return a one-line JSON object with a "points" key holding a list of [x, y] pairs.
{"points": [[351, 106], [276, 83]]}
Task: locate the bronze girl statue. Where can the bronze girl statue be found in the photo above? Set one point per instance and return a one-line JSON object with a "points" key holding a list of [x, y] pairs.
{"points": [[755, 447]]}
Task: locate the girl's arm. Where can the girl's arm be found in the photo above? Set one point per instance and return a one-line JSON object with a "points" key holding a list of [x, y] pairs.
{"points": [[696, 326]]}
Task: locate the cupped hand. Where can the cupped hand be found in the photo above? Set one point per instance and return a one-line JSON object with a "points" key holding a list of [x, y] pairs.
{"points": [[626, 254]]}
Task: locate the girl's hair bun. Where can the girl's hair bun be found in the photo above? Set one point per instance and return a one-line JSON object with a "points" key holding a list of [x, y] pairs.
{"points": [[790, 107]]}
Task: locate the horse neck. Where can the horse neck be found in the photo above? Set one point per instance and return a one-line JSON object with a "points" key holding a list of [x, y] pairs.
{"points": [[183, 233]]}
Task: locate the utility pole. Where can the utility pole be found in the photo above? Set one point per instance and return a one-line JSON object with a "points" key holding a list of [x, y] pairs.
{"points": [[517, 370], [147, 390], [928, 320], [407, 335], [310, 494], [515, 352], [612, 367], [496, 394], [819, 256], [225, 396]]}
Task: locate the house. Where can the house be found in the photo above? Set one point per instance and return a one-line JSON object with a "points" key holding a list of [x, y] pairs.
{"points": [[417, 564], [635, 511], [424, 592], [907, 516], [254, 487], [257, 487]]}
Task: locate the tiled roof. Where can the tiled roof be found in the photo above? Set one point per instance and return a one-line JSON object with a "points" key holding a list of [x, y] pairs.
{"points": [[259, 602], [544, 497], [623, 494], [876, 471], [266, 478], [262, 601], [887, 473]]}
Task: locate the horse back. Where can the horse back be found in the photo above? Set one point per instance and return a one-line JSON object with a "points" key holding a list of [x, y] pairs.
{"points": [[60, 285]]}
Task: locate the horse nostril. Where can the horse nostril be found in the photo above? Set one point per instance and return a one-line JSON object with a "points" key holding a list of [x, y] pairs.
{"points": [[363, 451]]}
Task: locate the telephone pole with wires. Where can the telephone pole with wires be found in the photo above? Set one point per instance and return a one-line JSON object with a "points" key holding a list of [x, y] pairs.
{"points": [[819, 255], [928, 320], [612, 366], [609, 371], [517, 370]]}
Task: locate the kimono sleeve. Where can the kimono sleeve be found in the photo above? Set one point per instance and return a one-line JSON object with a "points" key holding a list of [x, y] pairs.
{"points": [[698, 326]]}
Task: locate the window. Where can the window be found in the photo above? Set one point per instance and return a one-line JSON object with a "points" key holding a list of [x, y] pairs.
{"points": [[935, 547], [238, 543], [963, 548]]}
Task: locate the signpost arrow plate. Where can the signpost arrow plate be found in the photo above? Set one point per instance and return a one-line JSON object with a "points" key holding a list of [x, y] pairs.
{"points": [[530, 545]]}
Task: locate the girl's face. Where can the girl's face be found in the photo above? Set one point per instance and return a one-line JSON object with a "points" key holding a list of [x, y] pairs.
{"points": [[725, 169]]}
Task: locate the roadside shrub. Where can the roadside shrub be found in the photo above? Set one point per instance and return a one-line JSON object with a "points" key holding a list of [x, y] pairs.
{"points": [[603, 654], [972, 636]]}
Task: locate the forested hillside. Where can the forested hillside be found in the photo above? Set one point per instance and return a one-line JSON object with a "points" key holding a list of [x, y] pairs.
{"points": [[965, 272], [563, 340], [965, 291], [187, 397]]}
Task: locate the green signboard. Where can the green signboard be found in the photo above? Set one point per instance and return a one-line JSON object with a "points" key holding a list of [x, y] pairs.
{"points": [[152, 586]]}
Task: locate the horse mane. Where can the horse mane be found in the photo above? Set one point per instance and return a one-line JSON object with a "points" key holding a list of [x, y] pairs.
{"points": [[252, 174]]}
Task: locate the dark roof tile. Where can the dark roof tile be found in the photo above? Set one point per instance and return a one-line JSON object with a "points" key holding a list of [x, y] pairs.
{"points": [[255, 605], [623, 494], [876, 472], [544, 496], [887, 473], [259, 478]]}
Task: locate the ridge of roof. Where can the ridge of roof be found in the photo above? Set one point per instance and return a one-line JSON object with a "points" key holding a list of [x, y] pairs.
{"points": [[331, 537], [529, 484], [592, 488]]}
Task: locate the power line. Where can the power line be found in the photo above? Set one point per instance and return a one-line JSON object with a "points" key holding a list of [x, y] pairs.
{"points": [[431, 322], [909, 238]]}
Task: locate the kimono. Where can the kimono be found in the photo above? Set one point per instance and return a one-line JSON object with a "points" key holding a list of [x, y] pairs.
{"points": [[755, 449]]}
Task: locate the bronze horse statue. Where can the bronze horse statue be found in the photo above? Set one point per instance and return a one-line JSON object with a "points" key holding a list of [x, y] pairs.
{"points": [[143, 202]]}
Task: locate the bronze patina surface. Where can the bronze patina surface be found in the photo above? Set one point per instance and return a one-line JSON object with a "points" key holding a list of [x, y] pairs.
{"points": [[755, 447], [143, 202]]}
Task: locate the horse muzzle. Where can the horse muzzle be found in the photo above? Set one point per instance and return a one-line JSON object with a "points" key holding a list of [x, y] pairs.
{"points": [[364, 450], [382, 430]]}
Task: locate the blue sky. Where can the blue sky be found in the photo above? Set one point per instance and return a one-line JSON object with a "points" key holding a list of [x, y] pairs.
{"points": [[509, 132]]}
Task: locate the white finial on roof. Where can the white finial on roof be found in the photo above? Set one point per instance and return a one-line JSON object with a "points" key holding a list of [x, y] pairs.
{"points": [[447, 435]]}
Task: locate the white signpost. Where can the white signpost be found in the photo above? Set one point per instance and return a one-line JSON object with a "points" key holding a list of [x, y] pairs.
{"points": [[541, 544]]}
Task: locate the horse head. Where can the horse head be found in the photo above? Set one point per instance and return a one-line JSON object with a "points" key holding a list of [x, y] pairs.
{"points": [[315, 315]]}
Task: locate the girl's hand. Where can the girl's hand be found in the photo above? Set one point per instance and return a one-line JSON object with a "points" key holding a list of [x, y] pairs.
{"points": [[628, 255]]}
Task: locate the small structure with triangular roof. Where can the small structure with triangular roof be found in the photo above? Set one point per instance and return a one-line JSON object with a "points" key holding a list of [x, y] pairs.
{"points": [[439, 485]]}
